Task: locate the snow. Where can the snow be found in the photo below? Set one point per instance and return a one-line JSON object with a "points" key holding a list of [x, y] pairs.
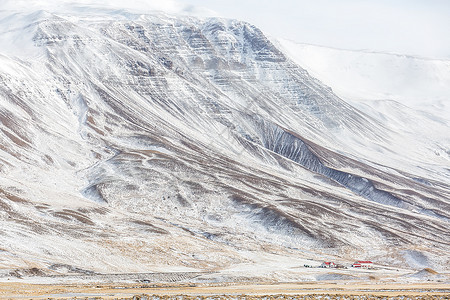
{"points": [[17, 32], [86, 6], [364, 76], [409, 95], [231, 164], [416, 259]]}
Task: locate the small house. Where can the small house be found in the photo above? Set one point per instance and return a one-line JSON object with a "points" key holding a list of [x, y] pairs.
{"points": [[364, 264], [328, 264]]}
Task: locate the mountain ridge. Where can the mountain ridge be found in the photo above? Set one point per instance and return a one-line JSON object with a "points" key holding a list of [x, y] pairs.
{"points": [[202, 141]]}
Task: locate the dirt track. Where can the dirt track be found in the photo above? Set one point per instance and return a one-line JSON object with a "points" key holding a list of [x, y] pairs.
{"points": [[230, 291]]}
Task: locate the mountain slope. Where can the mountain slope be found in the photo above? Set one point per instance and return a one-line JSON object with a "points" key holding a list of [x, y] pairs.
{"points": [[408, 94], [154, 142]]}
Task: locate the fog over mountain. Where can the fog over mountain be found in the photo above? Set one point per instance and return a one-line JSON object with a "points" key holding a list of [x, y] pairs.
{"points": [[161, 143]]}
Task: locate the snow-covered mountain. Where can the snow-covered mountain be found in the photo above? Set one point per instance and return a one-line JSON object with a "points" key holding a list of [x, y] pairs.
{"points": [[134, 143], [419, 83], [408, 94]]}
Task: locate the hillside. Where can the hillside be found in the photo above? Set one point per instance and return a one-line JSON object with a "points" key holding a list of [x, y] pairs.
{"points": [[157, 143]]}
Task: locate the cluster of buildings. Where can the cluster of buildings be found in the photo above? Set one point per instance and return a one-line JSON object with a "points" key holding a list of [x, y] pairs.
{"points": [[362, 264]]}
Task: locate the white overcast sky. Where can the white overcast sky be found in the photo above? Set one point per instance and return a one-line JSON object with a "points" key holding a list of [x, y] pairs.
{"points": [[418, 27], [415, 27]]}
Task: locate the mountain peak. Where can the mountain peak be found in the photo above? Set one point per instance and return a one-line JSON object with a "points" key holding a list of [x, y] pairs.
{"points": [[195, 144]]}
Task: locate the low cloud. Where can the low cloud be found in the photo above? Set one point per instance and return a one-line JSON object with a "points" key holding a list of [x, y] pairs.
{"points": [[141, 6]]}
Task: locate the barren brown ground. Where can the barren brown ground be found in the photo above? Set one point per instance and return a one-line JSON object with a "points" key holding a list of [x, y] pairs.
{"points": [[225, 291]]}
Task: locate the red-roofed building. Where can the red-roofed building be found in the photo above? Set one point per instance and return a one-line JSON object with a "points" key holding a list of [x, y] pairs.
{"points": [[365, 264], [328, 264]]}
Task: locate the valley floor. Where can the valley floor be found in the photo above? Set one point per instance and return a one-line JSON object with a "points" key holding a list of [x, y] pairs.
{"points": [[311, 290]]}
